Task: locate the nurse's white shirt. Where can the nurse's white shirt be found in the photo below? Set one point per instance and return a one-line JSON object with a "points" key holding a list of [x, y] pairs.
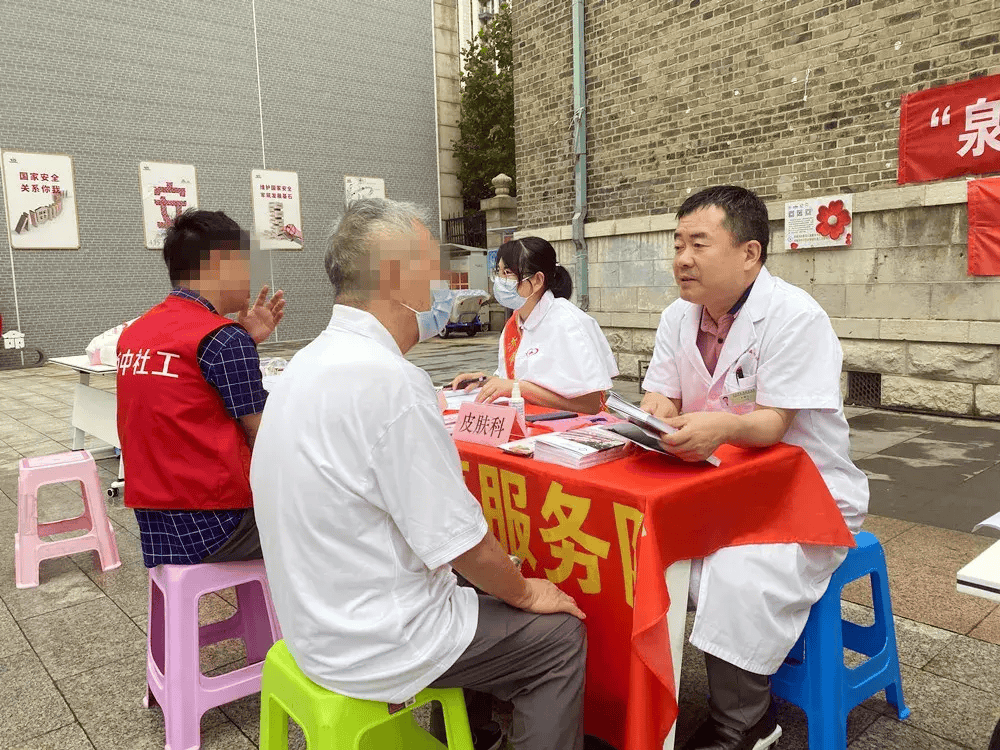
{"points": [[562, 349], [360, 504], [784, 345]]}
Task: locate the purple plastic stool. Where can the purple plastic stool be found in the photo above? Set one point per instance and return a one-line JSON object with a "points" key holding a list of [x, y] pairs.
{"points": [[29, 548], [173, 669]]}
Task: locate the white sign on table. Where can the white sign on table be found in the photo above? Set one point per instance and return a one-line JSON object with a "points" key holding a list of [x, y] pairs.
{"points": [[356, 188], [167, 190], [277, 213], [41, 201], [819, 222]]}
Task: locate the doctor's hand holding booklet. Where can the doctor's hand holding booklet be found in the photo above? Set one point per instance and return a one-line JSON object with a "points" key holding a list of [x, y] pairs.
{"points": [[699, 434]]}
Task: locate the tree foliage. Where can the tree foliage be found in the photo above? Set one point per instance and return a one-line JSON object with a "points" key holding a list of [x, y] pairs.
{"points": [[485, 146]]}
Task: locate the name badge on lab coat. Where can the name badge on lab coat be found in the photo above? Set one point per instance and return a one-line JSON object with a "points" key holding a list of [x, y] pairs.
{"points": [[747, 396]]}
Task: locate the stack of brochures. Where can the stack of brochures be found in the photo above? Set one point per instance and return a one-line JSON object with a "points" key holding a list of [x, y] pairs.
{"points": [[582, 448]]}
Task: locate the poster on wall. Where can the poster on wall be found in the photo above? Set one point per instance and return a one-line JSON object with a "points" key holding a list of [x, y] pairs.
{"points": [[40, 200], [356, 188], [950, 131], [819, 222], [167, 191], [277, 213]]}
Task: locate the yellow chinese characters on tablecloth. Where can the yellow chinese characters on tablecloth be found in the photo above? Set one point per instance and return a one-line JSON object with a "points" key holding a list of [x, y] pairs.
{"points": [[574, 534], [628, 524], [567, 541], [504, 496]]}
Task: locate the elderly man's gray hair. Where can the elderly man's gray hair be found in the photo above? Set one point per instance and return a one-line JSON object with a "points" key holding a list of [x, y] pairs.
{"points": [[348, 256]]}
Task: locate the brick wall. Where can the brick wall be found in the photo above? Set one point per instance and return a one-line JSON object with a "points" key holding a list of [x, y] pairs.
{"points": [[543, 106], [113, 84], [899, 298], [686, 94]]}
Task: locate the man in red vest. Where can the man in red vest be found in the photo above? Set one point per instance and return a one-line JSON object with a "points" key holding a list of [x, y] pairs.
{"points": [[190, 398]]}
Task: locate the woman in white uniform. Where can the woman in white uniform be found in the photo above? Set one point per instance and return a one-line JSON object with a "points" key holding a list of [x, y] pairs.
{"points": [[555, 351]]}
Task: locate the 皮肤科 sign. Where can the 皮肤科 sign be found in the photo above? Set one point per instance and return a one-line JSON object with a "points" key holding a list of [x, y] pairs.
{"points": [[488, 424]]}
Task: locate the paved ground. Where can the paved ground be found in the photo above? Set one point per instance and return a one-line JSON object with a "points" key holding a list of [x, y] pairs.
{"points": [[72, 651]]}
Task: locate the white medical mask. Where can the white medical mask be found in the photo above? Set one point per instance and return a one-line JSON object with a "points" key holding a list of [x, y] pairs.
{"points": [[505, 291], [431, 322]]}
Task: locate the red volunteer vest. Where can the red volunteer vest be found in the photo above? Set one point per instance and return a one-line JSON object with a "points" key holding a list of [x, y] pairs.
{"points": [[182, 449]]}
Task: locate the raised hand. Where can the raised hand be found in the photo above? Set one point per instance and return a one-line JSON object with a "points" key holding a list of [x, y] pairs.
{"points": [[263, 317]]}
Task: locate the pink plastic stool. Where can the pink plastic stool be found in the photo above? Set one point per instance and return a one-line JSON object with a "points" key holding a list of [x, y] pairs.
{"points": [[173, 671], [29, 549]]}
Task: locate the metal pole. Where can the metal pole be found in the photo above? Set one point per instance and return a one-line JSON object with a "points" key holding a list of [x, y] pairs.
{"points": [[580, 157]]}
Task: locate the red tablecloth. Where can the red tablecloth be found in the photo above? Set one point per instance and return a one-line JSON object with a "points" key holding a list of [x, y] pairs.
{"points": [[608, 531]]}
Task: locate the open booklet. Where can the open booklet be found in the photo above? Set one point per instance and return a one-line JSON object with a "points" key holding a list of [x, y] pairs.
{"points": [[645, 429]]}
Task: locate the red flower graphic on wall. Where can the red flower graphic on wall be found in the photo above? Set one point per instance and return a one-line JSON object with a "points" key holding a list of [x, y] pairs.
{"points": [[833, 219]]}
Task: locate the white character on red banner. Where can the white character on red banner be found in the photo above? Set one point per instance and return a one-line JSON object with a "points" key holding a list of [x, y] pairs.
{"points": [[982, 127]]}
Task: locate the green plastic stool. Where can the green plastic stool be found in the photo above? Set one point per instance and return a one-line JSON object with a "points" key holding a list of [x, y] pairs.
{"points": [[332, 721]]}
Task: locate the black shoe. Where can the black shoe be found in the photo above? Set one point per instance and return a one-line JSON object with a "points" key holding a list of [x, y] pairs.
{"points": [[488, 737], [590, 742], [714, 736]]}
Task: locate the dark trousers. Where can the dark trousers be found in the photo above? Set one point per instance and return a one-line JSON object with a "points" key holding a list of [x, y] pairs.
{"points": [[243, 543], [536, 662]]}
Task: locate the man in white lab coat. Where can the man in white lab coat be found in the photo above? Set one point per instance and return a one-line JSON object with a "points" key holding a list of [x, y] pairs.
{"points": [[363, 512], [747, 359]]}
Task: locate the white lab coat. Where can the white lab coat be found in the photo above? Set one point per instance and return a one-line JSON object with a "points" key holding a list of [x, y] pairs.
{"points": [[753, 601], [562, 349]]}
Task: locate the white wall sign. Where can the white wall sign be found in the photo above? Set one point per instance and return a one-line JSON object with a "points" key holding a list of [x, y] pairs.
{"points": [[819, 222], [277, 214], [41, 201], [363, 187], [167, 190]]}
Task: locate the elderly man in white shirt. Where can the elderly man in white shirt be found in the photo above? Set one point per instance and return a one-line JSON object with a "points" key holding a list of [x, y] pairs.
{"points": [[363, 512]]}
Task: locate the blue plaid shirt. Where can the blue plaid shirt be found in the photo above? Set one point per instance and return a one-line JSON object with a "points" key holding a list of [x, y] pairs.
{"points": [[229, 361]]}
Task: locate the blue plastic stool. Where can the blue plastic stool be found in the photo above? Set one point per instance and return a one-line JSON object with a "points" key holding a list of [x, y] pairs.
{"points": [[814, 676]]}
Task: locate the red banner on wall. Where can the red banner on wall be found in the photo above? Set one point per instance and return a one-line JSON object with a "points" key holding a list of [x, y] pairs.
{"points": [[950, 131], [984, 227]]}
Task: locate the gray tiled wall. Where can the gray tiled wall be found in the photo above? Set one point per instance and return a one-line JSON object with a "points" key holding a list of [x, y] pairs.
{"points": [[347, 88]]}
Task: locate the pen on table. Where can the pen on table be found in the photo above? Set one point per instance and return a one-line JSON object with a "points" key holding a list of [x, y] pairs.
{"points": [[465, 383]]}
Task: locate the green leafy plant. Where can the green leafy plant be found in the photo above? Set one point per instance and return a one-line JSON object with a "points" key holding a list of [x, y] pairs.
{"points": [[485, 146]]}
